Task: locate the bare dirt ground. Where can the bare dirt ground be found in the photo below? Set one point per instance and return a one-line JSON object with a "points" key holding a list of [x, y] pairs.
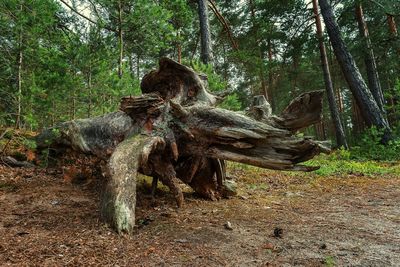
{"points": [[278, 219]]}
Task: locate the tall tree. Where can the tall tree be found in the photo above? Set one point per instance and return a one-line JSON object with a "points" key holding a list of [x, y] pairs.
{"points": [[370, 110], [205, 35], [369, 59], [120, 40], [339, 131]]}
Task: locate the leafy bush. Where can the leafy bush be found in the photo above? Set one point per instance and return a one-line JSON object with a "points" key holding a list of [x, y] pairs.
{"points": [[231, 102], [370, 147]]}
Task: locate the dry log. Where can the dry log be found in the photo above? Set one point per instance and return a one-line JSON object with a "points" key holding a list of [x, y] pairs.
{"points": [[173, 131]]}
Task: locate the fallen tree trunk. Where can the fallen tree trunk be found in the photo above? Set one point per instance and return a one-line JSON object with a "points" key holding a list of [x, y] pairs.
{"points": [[173, 131]]}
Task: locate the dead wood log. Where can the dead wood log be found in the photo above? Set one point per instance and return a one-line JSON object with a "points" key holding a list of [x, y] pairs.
{"points": [[173, 131], [12, 162]]}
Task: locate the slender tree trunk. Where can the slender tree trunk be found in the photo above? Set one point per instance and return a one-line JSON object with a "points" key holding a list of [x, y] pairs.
{"points": [[295, 69], [370, 110], [19, 78], [19, 97], [339, 131], [90, 89], [73, 111], [53, 113], [393, 29], [120, 40], [369, 59], [358, 123], [264, 91], [205, 35], [270, 76], [261, 74], [138, 66], [131, 69], [392, 25], [179, 46]]}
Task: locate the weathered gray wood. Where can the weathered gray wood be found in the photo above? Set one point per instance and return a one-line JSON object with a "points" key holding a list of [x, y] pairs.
{"points": [[98, 136], [173, 132], [119, 198]]}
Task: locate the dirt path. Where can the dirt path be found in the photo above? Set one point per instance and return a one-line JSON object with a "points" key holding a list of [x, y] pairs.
{"points": [[277, 219]]}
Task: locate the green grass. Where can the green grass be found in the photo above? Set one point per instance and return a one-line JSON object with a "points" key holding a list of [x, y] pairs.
{"points": [[337, 163], [329, 261], [334, 165]]}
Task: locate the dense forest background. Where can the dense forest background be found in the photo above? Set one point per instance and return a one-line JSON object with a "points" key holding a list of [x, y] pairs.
{"points": [[63, 60]]}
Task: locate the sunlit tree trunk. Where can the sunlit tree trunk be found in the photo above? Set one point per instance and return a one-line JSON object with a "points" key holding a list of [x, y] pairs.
{"points": [[369, 59], [205, 35], [370, 110], [339, 131]]}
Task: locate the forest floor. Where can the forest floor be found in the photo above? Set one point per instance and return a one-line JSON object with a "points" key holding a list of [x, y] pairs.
{"points": [[277, 219]]}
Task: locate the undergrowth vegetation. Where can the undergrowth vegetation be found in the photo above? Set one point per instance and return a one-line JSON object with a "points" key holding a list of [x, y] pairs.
{"points": [[340, 162]]}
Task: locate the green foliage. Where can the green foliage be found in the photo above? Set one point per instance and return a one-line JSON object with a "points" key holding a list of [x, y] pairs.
{"points": [[370, 147], [339, 163], [329, 261], [258, 186], [29, 144], [231, 102], [215, 82]]}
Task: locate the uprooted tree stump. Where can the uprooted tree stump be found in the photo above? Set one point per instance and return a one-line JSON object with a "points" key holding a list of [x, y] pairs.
{"points": [[173, 131]]}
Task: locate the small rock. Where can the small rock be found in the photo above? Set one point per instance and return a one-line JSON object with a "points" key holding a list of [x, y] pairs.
{"points": [[54, 202], [244, 197], [269, 246], [230, 188], [22, 233], [278, 232], [181, 240], [228, 226]]}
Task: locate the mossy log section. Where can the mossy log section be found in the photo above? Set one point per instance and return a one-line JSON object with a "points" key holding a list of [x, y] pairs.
{"points": [[174, 132]]}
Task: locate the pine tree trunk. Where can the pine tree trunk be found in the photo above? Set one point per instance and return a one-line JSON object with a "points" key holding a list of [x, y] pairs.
{"points": [[369, 59], [120, 40], [205, 35], [339, 131], [90, 89], [393, 28], [179, 46], [370, 110], [270, 77], [138, 66], [19, 78], [392, 25]]}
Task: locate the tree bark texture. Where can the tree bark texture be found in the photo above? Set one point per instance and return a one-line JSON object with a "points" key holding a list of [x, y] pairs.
{"points": [[370, 110], [339, 131], [205, 34], [369, 59]]}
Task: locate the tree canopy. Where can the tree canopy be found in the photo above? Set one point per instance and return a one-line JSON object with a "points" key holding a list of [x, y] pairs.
{"points": [[68, 59]]}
